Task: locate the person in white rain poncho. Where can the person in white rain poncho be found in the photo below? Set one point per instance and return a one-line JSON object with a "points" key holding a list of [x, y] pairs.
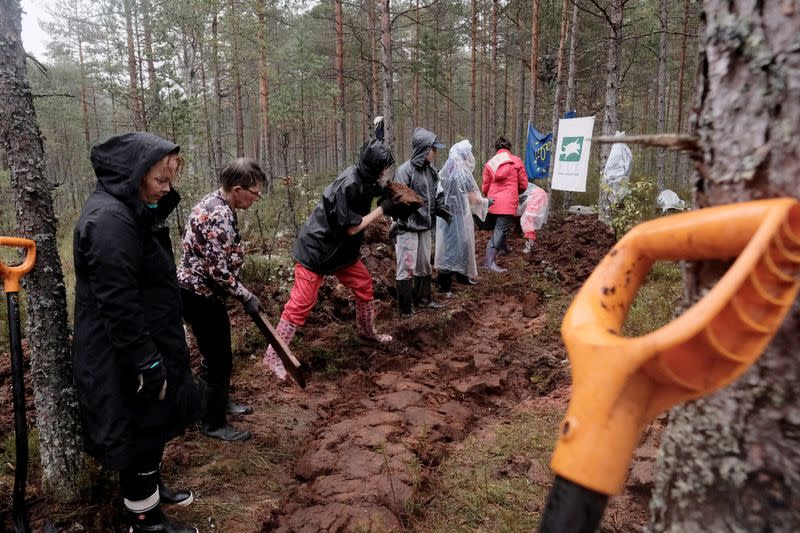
{"points": [[455, 242]]}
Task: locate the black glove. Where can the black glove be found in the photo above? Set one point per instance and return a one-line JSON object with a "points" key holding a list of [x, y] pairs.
{"points": [[491, 200], [252, 305], [153, 381], [444, 213]]}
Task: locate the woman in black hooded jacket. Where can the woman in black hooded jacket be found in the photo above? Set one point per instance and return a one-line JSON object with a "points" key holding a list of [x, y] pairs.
{"points": [[130, 358]]}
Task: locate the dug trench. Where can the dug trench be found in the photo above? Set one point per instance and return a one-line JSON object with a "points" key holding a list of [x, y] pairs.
{"points": [[364, 446]]}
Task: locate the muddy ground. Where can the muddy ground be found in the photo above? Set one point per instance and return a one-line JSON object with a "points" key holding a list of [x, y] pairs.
{"points": [[360, 448]]}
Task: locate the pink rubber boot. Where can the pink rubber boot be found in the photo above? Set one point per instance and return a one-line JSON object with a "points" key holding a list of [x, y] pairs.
{"points": [[285, 331], [365, 322]]}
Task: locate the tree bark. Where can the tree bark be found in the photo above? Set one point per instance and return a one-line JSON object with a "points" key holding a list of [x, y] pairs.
{"points": [[682, 68], [729, 462], [238, 114], [662, 94], [473, 84], [265, 147], [217, 76], [562, 39], [388, 72], [136, 103], [415, 70], [84, 101], [373, 54], [47, 331], [152, 81], [611, 108], [534, 60], [341, 136], [569, 104], [492, 122]]}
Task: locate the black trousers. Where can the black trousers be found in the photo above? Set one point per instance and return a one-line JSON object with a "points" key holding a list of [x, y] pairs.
{"points": [[211, 326], [139, 481]]}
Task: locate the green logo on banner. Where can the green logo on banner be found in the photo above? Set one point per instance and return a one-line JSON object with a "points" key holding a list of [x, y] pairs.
{"points": [[571, 149]]}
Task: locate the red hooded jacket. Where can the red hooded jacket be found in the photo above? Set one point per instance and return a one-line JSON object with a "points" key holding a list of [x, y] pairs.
{"points": [[504, 179]]}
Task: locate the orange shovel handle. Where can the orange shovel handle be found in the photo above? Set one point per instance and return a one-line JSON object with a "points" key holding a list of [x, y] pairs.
{"points": [[12, 274], [620, 384]]}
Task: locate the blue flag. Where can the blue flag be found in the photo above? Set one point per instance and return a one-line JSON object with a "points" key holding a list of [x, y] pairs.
{"points": [[537, 154]]}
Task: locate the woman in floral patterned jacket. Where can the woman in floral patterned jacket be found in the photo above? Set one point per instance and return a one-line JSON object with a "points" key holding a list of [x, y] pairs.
{"points": [[208, 275]]}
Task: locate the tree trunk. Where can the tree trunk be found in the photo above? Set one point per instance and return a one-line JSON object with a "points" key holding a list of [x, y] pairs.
{"points": [[415, 70], [238, 114], [388, 72], [682, 68], [152, 82], [473, 84], [569, 104], [729, 462], [212, 159], [217, 76], [84, 101], [662, 94], [47, 331], [522, 131], [341, 137], [492, 122], [137, 106], [534, 60], [265, 147], [611, 109], [373, 54], [559, 75]]}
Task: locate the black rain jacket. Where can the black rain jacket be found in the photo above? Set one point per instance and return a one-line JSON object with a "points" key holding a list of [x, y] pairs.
{"points": [[128, 308], [423, 177], [323, 245]]}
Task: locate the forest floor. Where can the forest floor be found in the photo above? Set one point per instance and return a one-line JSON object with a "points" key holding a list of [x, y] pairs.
{"points": [[448, 428]]}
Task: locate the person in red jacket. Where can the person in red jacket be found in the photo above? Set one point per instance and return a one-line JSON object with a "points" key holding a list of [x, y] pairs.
{"points": [[504, 179]]}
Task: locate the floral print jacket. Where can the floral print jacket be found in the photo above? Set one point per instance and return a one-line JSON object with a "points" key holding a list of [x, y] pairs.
{"points": [[212, 251]]}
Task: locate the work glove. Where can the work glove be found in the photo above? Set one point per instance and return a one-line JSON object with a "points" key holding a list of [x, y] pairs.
{"points": [[444, 213], [152, 381], [252, 305]]}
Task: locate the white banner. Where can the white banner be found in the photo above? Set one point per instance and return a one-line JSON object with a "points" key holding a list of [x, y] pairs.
{"points": [[572, 154]]}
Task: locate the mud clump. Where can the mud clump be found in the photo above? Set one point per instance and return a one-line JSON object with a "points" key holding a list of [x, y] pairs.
{"points": [[572, 246], [405, 195]]}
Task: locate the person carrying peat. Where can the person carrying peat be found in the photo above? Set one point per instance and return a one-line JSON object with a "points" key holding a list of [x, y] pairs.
{"points": [[208, 274], [130, 359], [413, 243], [329, 243]]}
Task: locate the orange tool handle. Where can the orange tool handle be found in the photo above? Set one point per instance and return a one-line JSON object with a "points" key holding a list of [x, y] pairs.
{"points": [[12, 274], [620, 384]]}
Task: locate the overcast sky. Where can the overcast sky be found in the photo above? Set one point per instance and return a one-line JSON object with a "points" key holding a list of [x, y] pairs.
{"points": [[33, 38]]}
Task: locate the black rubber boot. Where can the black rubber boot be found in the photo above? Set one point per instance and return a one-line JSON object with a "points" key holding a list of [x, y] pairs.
{"points": [[464, 279], [404, 296], [444, 281], [426, 293], [178, 497], [215, 423], [236, 409], [155, 521], [417, 293]]}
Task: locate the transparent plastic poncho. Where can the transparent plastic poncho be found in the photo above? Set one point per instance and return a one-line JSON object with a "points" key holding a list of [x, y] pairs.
{"points": [[532, 209], [455, 242], [616, 175]]}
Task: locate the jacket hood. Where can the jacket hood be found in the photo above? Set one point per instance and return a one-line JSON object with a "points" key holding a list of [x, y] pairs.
{"points": [[373, 157], [121, 162], [422, 141]]}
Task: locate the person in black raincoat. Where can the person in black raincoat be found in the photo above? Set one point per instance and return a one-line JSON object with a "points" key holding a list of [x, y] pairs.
{"points": [[329, 243], [130, 358], [413, 235]]}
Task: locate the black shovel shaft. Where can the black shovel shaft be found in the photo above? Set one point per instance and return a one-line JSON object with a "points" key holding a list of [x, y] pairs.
{"points": [[571, 508], [20, 423]]}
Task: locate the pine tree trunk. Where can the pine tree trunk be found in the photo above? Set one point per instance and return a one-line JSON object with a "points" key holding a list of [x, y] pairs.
{"points": [[569, 104], [341, 136], [373, 54], [682, 67], [730, 461], [47, 331], [388, 72], [559, 75], [662, 94], [137, 106], [238, 114], [611, 108], [152, 81], [534, 61], [492, 122], [265, 147], [217, 77], [84, 102], [473, 83]]}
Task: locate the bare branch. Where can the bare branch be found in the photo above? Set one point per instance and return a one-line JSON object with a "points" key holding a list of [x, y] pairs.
{"points": [[672, 141]]}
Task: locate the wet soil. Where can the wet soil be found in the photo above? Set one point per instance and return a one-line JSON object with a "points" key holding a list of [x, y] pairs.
{"points": [[358, 449]]}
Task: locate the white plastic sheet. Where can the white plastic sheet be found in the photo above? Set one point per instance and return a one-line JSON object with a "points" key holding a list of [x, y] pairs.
{"points": [[668, 199]]}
